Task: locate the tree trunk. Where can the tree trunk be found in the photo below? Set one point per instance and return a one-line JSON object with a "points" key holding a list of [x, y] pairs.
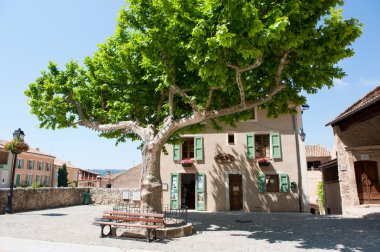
{"points": [[151, 188]]}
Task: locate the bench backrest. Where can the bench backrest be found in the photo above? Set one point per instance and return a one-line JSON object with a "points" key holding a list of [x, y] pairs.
{"points": [[132, 216]]}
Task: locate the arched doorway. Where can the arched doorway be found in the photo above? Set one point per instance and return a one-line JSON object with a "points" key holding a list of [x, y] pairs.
{"points": [[367, 182]]}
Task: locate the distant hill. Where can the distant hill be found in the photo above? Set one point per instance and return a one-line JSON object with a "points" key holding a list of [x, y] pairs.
{"points": [[103, 172]]}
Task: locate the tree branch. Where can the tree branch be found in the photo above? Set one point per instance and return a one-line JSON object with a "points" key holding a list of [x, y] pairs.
{"points": [[124, 125], [211, 90], [171, 101], [186, 98], [239, 81]]}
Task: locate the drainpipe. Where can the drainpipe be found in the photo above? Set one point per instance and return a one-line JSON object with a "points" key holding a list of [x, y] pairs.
{"points": [[300, 191]]}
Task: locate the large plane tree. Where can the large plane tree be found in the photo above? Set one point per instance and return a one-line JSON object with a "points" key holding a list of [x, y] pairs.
{"points": [[173, 64]]}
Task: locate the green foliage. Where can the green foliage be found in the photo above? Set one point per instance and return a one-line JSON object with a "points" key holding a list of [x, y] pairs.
{"points": [[320, 193], [37, 185], [189, 43], [62, 176]]}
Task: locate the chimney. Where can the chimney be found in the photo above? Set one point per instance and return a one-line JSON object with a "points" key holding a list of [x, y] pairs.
{"points": [[38, 149], [109, 173]]}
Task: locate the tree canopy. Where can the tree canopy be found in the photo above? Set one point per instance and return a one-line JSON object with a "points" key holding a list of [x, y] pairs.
{"points": [[172, 60], [62, 176]]}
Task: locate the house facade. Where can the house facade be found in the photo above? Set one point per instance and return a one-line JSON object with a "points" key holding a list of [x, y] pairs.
{"points": [[356, 154], [32, 167], [130, 178], [316, 156], [72, 173], [87, 178], [259, 166]]}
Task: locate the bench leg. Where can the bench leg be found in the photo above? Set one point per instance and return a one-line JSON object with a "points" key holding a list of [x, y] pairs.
{"points": [[111, 233]]}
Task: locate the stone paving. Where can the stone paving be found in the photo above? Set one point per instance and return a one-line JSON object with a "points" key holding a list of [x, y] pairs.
{"points": [[71, 229]]}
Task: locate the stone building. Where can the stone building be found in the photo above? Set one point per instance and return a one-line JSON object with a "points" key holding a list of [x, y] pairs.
{"points": [[357, 152], [32, 167], [87, 178], [258, 166], [130, 178], [316, 155]]}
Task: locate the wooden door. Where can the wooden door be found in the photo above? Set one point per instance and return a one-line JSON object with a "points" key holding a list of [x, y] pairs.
{"points": [[367, 182], [236, 192]]}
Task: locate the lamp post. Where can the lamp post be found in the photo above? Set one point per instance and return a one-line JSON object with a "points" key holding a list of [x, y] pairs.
{"points": [[17, 135]]}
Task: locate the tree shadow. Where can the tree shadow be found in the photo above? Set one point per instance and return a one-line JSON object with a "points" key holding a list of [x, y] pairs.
{"points": [[309, 231]]}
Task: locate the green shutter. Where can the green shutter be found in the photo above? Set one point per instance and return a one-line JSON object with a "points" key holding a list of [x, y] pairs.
{"points": [[176, 152], [276, 144], [22, 163], [261, 182], [198, 148], [175, 191], [284, 182], [250, 146], [18, 179], [33, 164], [200, 192]]}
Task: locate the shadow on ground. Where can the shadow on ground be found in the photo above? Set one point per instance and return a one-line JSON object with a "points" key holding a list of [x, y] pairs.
{"points": [[309, 231]]}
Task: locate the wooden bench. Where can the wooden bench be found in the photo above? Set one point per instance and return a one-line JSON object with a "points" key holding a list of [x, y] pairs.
{"points": [[115, 219]]}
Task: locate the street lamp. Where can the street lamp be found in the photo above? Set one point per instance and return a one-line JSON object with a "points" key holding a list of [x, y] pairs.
{"points": [[17, 135], [302, 135]]}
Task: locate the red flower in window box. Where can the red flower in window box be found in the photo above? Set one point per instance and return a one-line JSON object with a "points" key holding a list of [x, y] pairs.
{"points": [[187, 162], [263, 161]]}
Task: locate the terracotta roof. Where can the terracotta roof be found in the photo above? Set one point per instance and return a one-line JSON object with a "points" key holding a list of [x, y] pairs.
{"points": [[364, 102], [31, 150], [59, 162], [316, 151]]}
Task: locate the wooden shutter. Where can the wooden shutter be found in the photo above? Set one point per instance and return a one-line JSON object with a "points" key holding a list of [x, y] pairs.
{"points": [[175, 191], [200, 192], [22, 163], [33, 164], [176, 152], [198, 148], [261, 183], [276, 144], [284, 182], [250, 146]]}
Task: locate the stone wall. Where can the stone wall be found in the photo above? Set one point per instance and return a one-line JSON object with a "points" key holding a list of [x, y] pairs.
{"points": [[25, 199], [112, 196]]}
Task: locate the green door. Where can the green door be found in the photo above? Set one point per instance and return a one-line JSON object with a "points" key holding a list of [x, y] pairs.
{"points": [[175, 201], [200, 192]]}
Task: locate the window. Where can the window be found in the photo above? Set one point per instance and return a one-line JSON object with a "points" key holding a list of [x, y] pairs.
{"points": [[30, 164], [47, 181], [272, 183], [48, 166], [18, 179], [313, 165], [39, 179], [4, 177], [29, 179], [188, 148], [231, 138], [20, 163], [40, 165], [262, 146]]}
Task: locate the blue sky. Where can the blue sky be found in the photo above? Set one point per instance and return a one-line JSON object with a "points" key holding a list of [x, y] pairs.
{"points": [[34, 32]]}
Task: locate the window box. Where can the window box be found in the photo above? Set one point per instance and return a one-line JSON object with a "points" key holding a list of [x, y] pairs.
{"points": [[263, 161], [187, 162]]}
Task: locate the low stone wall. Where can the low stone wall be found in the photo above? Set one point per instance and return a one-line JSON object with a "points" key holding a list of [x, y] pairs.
{"points": [[25, 199]]}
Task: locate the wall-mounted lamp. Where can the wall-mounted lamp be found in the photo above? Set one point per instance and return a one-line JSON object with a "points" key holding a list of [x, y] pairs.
{"points": [[302, 135]]}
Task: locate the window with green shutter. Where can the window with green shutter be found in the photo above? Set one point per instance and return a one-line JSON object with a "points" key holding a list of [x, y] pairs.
{"points": [[198, 145], [176, 152], [250, 146], [284, 182], [276, 144], [261, 182]]}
